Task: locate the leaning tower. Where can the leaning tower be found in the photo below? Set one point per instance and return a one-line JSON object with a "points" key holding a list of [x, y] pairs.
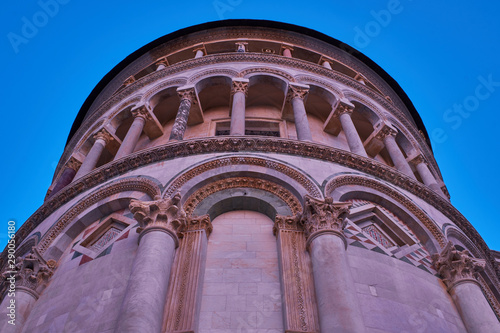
{"points": [[248, 176]]}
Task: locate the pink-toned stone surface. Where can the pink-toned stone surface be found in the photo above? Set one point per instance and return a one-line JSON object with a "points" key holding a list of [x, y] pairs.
{"points": [[241, 292]]}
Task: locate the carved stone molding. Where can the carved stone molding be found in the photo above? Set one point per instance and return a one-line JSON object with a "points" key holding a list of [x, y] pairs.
{"points": [[343, 107], [266, 70], [257, 144], [187, 94], [408, 204], [417, 159], [282, 222], [305, 182], [457, 266], [199, 223], [162, 214], [31, 273], [73, 163], [224, 184], [324, 216], [385, 130]]}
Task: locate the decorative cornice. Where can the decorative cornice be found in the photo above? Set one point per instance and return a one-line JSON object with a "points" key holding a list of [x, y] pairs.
{"points": [[224, 184], [324, 216], [457, 266], [254, 144], [31, 273], [164, 215]]}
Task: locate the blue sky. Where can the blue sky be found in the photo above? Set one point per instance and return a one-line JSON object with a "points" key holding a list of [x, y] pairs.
{"points": [[444, 56]]}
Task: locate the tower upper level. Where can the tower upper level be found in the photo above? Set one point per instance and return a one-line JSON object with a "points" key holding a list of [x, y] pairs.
{"points": [[249, 78]]}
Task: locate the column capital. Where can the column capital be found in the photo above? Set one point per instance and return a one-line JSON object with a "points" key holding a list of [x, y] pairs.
{"points": [[187, 93], [324, 216], [417, 159], [199, 48], [344, 106], [164, 215], [282, 222], [73, 163], [384, 130], [104, 135], [162, 61], [32, 273], [199, 223], [240, 85], [129, 80], [141, 112], [240, 46], [297, 91], [457, 266]]}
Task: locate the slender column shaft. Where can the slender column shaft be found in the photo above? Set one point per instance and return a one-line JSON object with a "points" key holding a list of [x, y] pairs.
{"points": [[199, 53], [352, 136], [101, 138], [24, 302], [338, 306], [301, 122], [180, 123], [238, 110], [144, 301], [428, 178], [397, 156], [133, 134], [287, 52], [475, 311]]}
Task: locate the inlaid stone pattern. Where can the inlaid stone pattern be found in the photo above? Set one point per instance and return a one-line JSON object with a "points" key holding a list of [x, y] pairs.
{"points": [[241, 291]]}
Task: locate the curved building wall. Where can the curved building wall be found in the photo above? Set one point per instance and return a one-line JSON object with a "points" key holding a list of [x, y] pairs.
{"points": [[248, 176]]}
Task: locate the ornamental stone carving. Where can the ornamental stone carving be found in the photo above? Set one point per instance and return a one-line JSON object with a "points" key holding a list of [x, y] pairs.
{"points": [[297, 91], [384, 131], [31, 273], [324, 216], [73, 163], [104, 135], [162, 214], [141, 112], [344, 106], [282, 222], [240, 85], [417, 159], [200, 223], [457, 266], [187, 94]]}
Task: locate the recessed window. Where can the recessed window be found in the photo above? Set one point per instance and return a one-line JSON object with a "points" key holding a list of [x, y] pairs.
{"points": [[252, 127], [104, 235]]}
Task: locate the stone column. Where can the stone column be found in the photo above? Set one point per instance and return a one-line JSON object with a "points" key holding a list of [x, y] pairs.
{"points": [[67, 175], [187, 98], [29, 277], [239, 91], [344, 111], [338, 308], [144, 301], [300, 312], [101, 139], [388, 135], [141, 115], [161, 64], [458, 269], [199, 52], [296, 96], [326, 64], [182, 311], [241, 46], [287, 51], [425, 174]]}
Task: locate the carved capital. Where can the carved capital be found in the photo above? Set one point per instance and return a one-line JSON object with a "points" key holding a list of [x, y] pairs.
{"points": [[240, 46], [343, 107], [456, 266], [141, 112], [73, 163], [163, 214], [200, 223], [416, 160], [32, 272], [187, 94], [240, 86], [200, 48], [282, 222], [385, 130], [129, 80], [324, 216], [162, 61], [296, 91], [104, 135]]}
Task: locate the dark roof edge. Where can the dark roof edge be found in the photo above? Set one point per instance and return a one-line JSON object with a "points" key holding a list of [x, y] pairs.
{"points": [[252, 23]]}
